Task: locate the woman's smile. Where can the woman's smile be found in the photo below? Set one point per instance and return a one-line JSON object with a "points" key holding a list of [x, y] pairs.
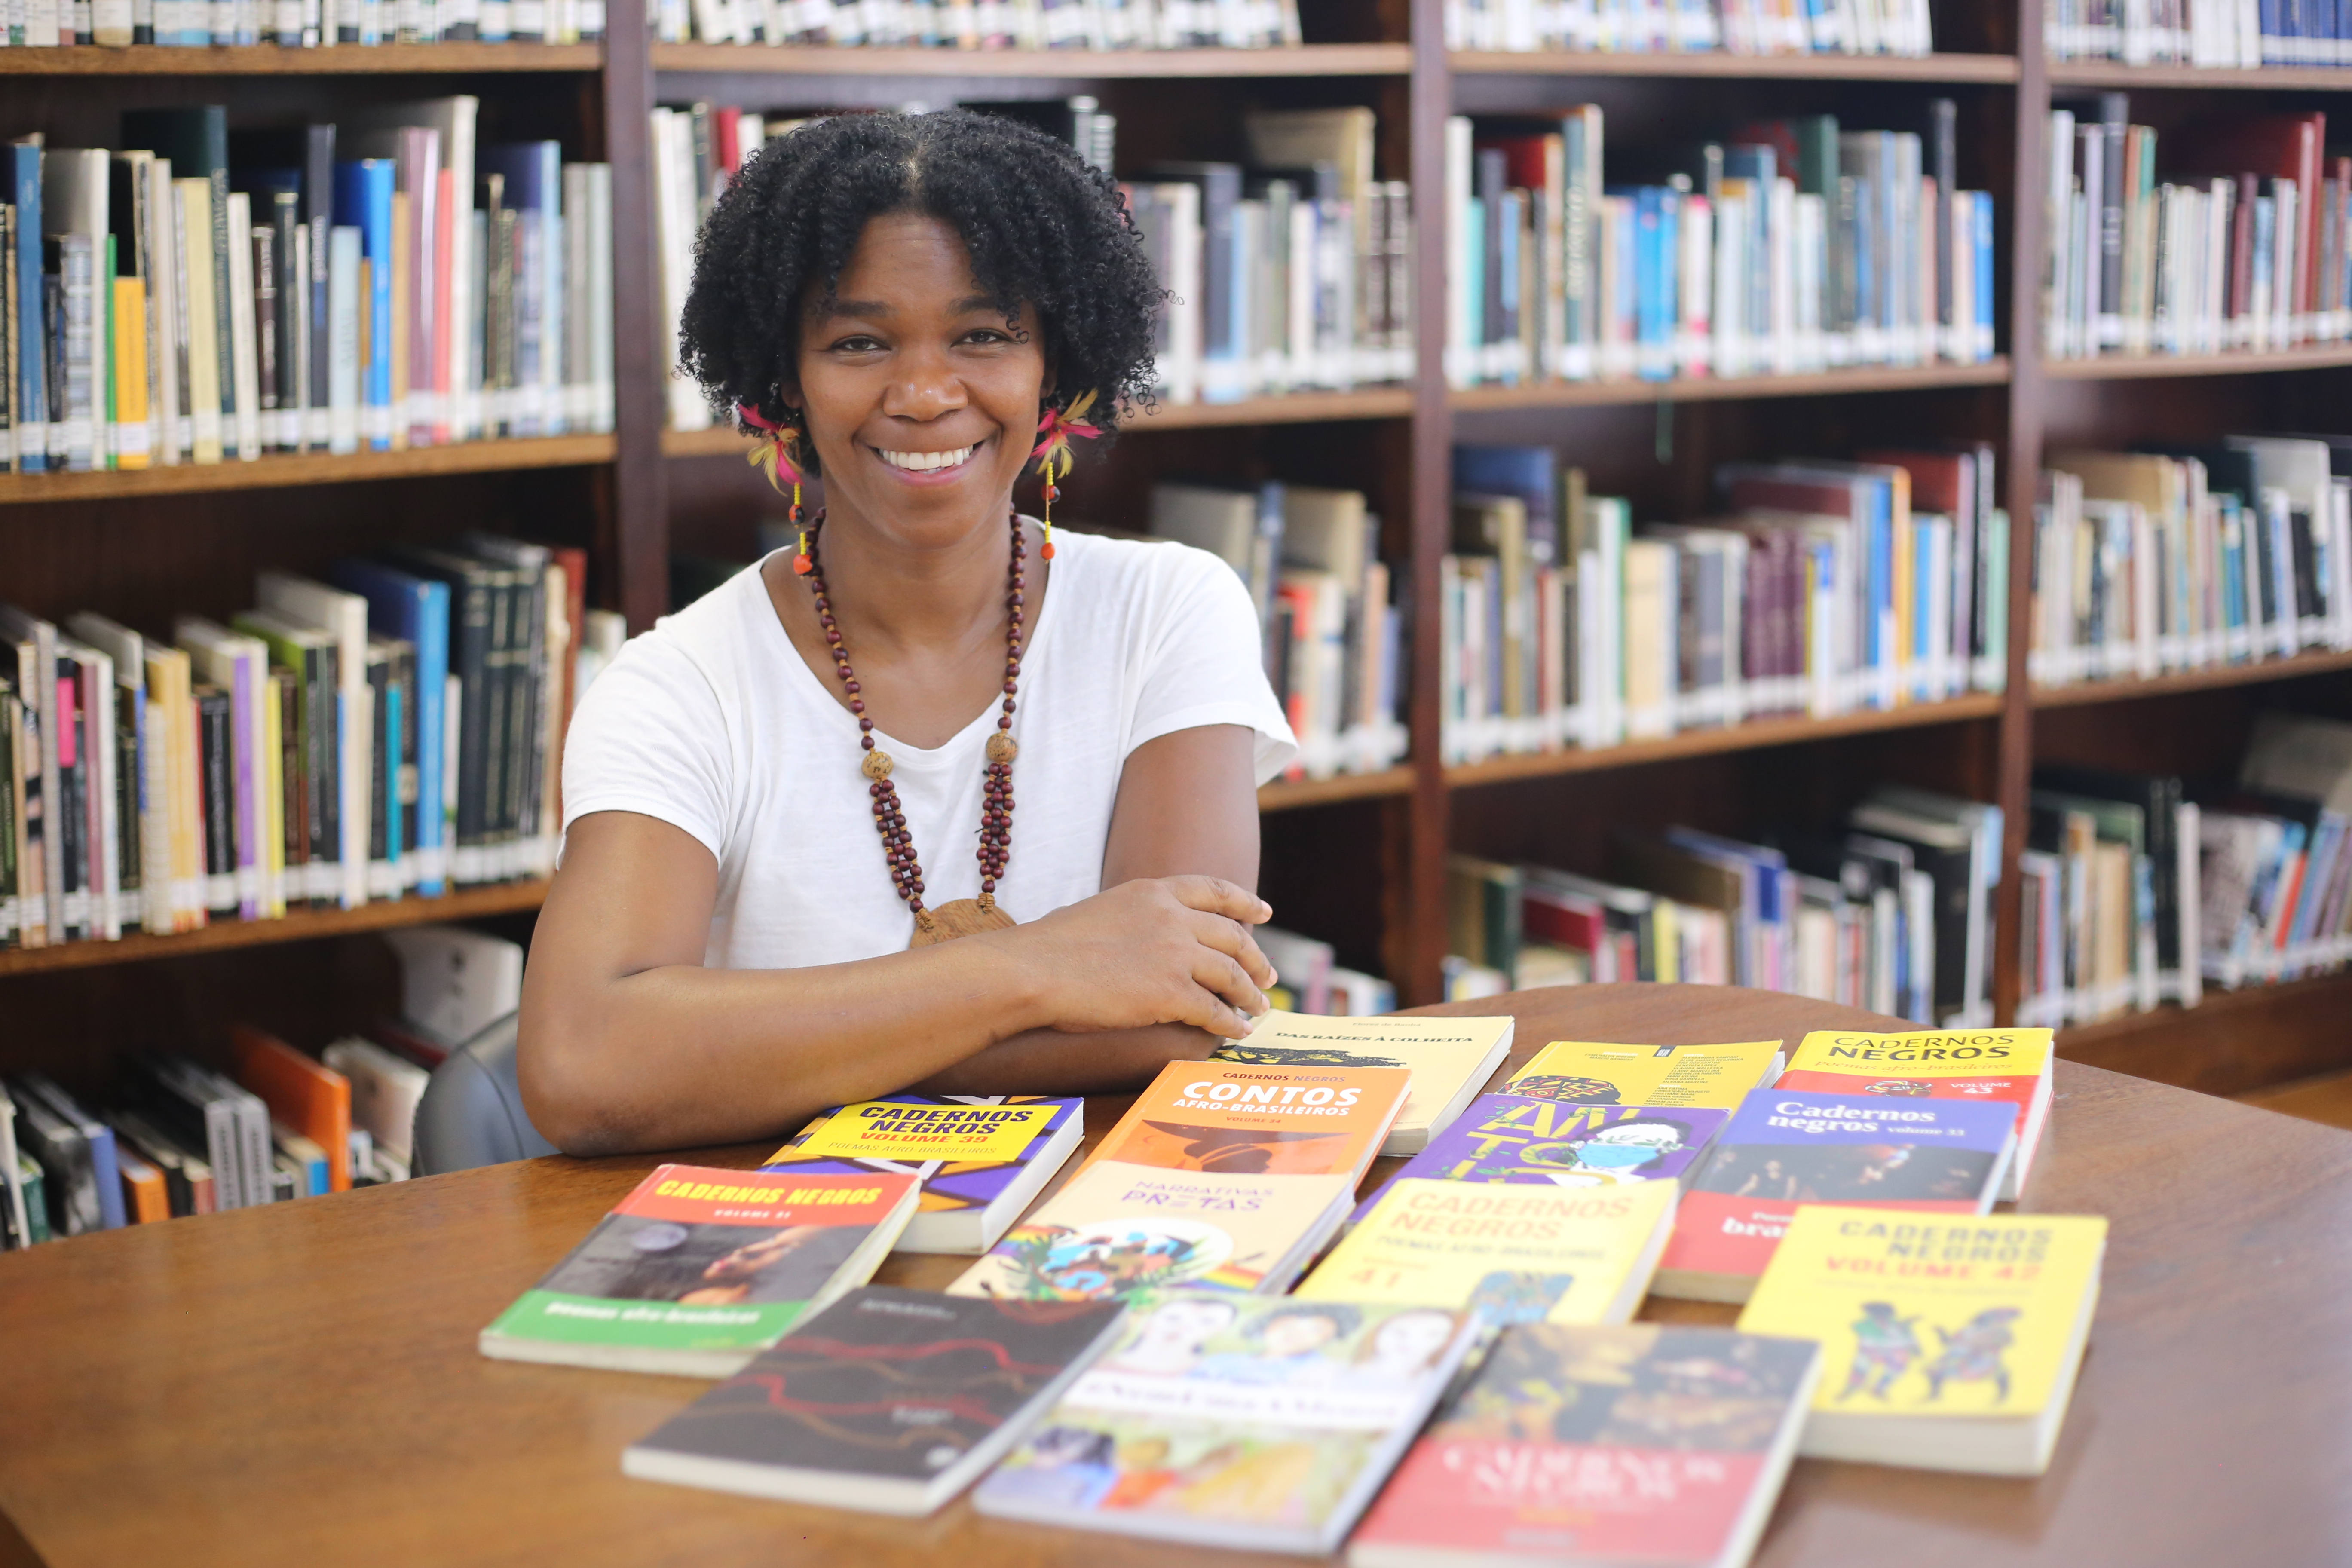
{"points": [[916, 468]]}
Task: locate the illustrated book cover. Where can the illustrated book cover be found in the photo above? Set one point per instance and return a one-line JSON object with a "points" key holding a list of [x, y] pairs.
{"points": [[1228, 1118], [2010, 1065], [697, 1268], [1588, 1073], [1450, 1059]]}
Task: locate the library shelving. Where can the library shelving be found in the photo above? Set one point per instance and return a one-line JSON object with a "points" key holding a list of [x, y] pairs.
{"points": [[1360, 860]]}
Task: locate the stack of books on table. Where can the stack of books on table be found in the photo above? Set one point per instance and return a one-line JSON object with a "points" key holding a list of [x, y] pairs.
{"points": [[1459, 1374], [1821, 588], [201, 296], [1733, 27], [1790, 247]]}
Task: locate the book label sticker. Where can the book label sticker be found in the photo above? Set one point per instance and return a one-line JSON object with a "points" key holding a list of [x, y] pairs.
{"points": [[894, 1130]]}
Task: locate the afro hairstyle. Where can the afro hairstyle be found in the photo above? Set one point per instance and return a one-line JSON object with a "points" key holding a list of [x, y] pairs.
{"points": [[1042, 228]]}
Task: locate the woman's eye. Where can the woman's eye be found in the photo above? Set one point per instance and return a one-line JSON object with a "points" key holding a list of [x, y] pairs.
{"points": [[989, 335], [858, 343]]}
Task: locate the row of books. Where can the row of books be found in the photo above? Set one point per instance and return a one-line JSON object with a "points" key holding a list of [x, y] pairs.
{"points": [[377, 284], [296, 23], [1333, 638], [1792, 246], [2230, 34], [1823, 587], [2179, 558], [984, 24], [396, 733], [1661, 26], [1892, 912], [1218, 1411], [2249, 247]]}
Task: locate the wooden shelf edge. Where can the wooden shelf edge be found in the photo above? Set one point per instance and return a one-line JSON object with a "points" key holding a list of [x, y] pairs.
{"points": [[1283, 795], [1950, 68], [1755, 736], [2112, 74], [311, 469], [465, 903], [2083, 692], [1704, 389], [1311, 59], [1292, 408], [269, 59], [2114, 367], [2217, 1007]]}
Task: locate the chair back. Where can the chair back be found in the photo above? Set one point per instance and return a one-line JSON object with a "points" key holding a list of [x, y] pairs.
{"points": [[472, 1111]]}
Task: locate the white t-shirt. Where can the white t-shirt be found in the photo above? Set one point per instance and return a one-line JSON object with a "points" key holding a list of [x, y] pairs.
{"points": [[712, 722]]}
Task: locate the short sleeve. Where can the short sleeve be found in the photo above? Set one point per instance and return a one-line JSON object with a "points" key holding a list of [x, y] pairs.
{"points": [[650, 737], [1206, 664]]}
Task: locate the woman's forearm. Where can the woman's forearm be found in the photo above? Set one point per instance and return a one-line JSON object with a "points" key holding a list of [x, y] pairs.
{"points": [[1055, 1061]]}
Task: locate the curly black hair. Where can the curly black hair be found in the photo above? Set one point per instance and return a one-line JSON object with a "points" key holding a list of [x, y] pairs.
{"points": [[1043, 227]]}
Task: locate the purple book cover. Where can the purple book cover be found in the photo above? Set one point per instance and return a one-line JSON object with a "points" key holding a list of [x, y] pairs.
{"points": [[1516, 1137], [1010, 1132], [244, 736]]}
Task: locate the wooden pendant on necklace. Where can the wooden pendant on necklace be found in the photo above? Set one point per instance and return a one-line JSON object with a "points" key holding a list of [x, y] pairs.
{"points": [[961, 917]]}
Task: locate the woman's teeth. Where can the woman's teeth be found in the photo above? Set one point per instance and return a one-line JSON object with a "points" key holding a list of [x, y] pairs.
{"points": [[926, 462]]}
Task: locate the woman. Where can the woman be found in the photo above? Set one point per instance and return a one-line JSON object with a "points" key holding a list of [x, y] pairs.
{"points": [[776, 792]]}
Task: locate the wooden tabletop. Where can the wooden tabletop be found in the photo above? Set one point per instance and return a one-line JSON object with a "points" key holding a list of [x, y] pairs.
{"points": [[298, 1384]]}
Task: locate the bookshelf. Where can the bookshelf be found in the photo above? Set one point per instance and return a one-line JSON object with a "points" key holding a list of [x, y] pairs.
{"points": [[1356, 859]]}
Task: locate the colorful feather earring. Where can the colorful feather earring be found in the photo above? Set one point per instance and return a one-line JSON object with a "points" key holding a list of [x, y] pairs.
{"points": [[775, 454], [1053, 452]]}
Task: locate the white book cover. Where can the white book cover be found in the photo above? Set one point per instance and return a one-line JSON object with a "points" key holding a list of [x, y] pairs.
{"points": [[343, 616]]}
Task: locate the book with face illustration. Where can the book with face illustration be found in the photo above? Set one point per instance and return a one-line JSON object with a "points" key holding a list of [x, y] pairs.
{"points": [[1450, 1059], [1235, 1421], [697, 1268], [1233, 1118], [1560, 1144], [1116, 1229]]}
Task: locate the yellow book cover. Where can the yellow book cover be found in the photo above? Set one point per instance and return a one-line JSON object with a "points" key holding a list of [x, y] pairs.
{"points": [[1940, 1319], [273, 797], [1225, 1116], [1116, 1229], [204, 344], [1450, 1059], [1516, 1253], [1715, 1077], [130, 328]]}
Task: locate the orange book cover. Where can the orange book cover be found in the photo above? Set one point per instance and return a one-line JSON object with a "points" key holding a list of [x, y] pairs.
{"points": [[309, 1095], [144, 1198], [1259, 1120]]}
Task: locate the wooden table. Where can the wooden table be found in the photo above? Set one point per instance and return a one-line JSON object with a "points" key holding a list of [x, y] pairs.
{"points": [[298, 1384]]}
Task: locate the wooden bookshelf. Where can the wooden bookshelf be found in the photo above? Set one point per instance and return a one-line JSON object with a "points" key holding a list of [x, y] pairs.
{"points": [[1955, 68], [2232, 1041], [465, 903], [1712, 389], [2136, 367], [1055, 65], [278, 471], [2083, 692], [1285, 794], [2112, 75], [269, 59]]}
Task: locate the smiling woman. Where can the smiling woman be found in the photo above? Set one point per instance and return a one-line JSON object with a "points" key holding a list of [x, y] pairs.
{"points": [[792, 872]]}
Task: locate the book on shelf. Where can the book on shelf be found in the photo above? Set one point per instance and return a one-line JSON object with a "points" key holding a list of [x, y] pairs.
{"points": [[887, 1400], [1579, 1072], [697, 1270], [385, 1088], [1590, 1447], [77, 1152], [1217, 1421], [980, 1160], [982, 24], [307, 1101], [15, 1218], [1511, 1253], [1450, 1061], [1518, 1138], [2228, 35], [215, 286], [1981, 1064], [1836, 27], [1791, 1147], [1309, 978], [134, 24], [1946, 1344], [1788, 247], [2240, 247]]}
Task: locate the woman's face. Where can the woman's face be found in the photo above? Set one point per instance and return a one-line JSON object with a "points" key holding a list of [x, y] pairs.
{"points": [[921, 400]]}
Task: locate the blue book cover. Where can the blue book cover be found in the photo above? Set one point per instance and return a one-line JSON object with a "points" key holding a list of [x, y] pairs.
{"points": [[1520, 1137], [363, 193], [416, 610], [32, 382], [1982, 350], [1653, 332], [1474, 268]]}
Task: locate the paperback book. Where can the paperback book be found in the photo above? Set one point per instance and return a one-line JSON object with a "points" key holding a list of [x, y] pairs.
{"points": [[979, 1161], [1951, 1344], [889, 1400], [1224, 1118], [2011, 1065], [1648, 1444], [1714, 1076], [697, 1268], [1800, 1146], [1118, 1228], [1221, 1421], [1518, 1138], [1511, 1253], [1449, 1058]]}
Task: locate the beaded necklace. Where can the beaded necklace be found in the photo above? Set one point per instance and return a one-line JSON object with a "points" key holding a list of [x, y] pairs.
{"points": [[963, 917]]}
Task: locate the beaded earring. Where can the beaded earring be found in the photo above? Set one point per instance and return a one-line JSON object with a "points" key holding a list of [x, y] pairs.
{"points": [[1053, 433], [775, 454]]}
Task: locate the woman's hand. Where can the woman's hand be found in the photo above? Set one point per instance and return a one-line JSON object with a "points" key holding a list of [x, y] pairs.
{"points": [[1159, 950]]}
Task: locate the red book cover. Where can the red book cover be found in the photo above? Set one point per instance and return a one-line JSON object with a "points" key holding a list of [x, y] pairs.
{"points": [[1940, 482], [444, 330], [1543, 918], [726, 133]]}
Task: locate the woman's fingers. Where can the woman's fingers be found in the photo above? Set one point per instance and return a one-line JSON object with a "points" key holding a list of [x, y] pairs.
{"points": [[1214, 895], [1220, 975], [1234, 940]]}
